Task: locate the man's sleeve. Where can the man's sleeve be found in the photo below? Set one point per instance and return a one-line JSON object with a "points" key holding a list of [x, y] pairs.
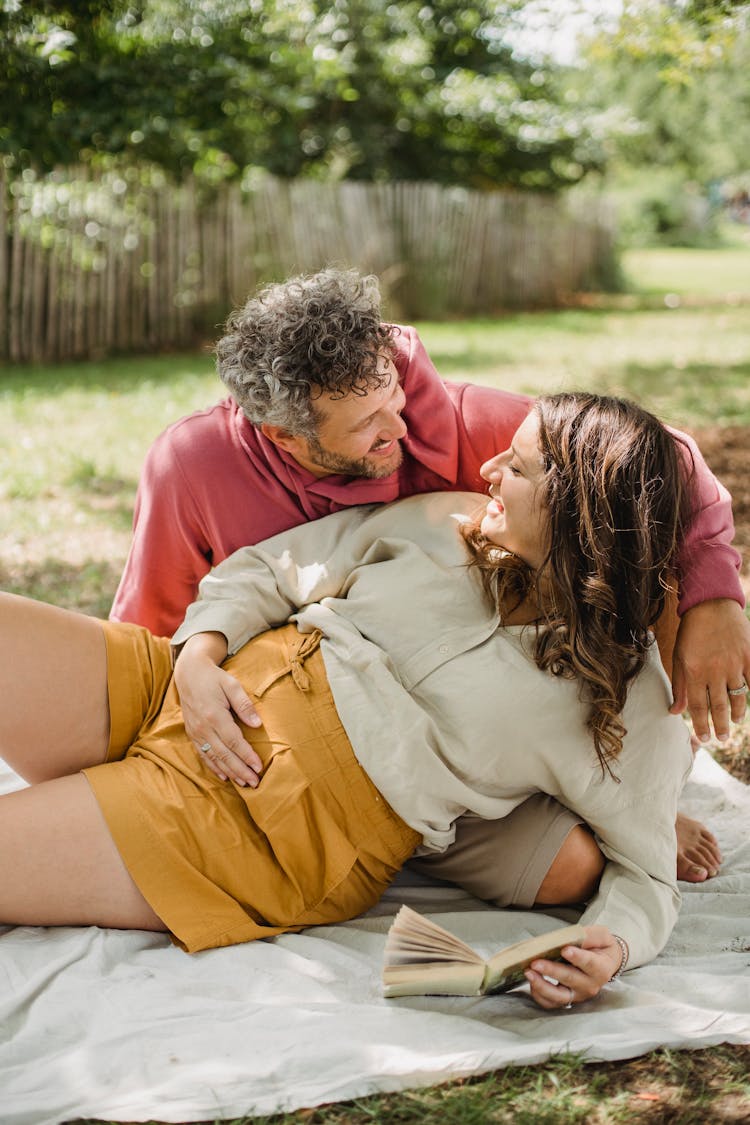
{"points": [[487, 420], [166, 560], [707, 562]]}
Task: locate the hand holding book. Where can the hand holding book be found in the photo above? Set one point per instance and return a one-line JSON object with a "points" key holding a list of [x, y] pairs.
{"points": [[601, 958], [422, 958]]}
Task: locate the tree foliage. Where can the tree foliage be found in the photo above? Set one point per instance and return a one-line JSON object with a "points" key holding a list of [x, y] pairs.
{"points": [[679, 71], [419, 89]]}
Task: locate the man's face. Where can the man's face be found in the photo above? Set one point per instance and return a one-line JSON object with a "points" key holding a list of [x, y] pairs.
{"points": [[359, 435]]}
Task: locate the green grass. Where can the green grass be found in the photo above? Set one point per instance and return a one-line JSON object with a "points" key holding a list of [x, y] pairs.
{"points": [[690, 365], [722, 275], [72, 439], [676, 1087], [679, 341]]}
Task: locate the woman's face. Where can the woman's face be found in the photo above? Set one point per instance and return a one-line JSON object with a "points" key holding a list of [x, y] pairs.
{"points": [[516, 517]]}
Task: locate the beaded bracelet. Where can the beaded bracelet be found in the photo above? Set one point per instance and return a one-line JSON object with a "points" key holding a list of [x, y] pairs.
{"points": [[625, 956]]}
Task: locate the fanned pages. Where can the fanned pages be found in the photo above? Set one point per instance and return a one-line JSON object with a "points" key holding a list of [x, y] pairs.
{"points": [[422, 959]]}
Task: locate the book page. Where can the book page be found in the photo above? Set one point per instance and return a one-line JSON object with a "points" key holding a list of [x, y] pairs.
{"points": [[436, 978], [413, 938]]}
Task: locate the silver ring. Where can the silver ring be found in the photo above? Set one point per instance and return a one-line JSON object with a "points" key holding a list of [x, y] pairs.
{"points": [[570, 1002], [204, 749], [737, 690]]}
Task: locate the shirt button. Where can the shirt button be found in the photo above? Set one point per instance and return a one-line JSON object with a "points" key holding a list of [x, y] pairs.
{"points": [[444, 650]]}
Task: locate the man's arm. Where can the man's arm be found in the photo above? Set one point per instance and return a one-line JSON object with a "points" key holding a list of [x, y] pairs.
{"points": [[708, 564], [168, 555], [712, 657], [712, 648]]}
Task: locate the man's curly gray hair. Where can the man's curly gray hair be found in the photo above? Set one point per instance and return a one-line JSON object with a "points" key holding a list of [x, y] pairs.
{"points": [[299, 339]]}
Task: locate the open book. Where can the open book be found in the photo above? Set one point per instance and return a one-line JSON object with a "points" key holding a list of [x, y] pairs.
{"points": [[423, 959]]}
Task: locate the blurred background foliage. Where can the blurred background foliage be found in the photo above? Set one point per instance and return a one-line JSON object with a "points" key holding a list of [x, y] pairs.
{"points": [[355, 88], [654, 107], [676, 79]]}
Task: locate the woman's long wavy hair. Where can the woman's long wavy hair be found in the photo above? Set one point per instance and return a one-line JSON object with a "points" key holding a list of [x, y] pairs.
{"points": [[615, 487]]}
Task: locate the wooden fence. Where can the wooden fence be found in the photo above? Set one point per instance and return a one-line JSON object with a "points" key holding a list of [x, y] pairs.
{"points": [[92, 265]]}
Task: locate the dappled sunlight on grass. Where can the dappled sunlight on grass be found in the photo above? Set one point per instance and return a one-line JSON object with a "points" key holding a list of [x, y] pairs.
{"points": [[88, 586], [191, 372], [648, 354], [708, 273], [72, 442], [687, 319]]}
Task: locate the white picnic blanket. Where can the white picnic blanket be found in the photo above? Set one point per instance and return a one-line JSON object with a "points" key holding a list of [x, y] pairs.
{"points": [[125, 1026]]}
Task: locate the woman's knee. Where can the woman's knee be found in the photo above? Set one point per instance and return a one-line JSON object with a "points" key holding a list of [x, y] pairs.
{"points": [[53, 683], [575, 872]]}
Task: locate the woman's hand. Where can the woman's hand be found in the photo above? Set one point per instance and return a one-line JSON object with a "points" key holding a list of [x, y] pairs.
{"points": [[210, 698], [581, 975]]}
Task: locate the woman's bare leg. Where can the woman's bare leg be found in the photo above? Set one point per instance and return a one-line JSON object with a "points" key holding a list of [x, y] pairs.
{"points": [[59, 865], [54, 718], [574, 874]]}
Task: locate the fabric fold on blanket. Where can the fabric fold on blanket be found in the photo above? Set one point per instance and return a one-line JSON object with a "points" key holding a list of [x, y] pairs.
{"points": [[127, 1027]]}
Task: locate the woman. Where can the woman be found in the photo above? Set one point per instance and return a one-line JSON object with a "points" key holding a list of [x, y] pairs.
{"points": [[401, 650]]}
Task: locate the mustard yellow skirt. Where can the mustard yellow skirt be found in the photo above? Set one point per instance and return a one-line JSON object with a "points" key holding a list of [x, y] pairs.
{"points": [[314, 843]]}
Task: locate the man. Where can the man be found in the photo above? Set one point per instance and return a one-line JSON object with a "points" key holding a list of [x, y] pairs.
{"points": [[330, 408]]}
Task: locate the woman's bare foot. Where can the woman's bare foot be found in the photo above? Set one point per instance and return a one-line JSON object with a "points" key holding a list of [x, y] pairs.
{"points": [[698, 853]]}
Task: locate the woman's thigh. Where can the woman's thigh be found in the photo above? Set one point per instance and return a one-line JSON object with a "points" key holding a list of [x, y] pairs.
{"points": [[59, 865], [54, 718]]}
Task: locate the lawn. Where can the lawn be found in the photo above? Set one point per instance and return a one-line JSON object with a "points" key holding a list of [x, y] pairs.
{"points": [[694, 274], [690, 365], [72, 439]]}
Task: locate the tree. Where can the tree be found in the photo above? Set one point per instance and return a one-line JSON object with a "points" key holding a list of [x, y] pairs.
{"points": [[422, 89], [679, 74]]}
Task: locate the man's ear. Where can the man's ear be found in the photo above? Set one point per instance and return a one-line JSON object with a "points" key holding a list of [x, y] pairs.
{"points": [[283, 438]]}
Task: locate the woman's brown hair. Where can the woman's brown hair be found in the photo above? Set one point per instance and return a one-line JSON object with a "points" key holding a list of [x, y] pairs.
{"points": [[615, 488]]}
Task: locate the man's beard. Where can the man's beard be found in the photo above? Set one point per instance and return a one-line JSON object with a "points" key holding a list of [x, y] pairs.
{"points": [[354, 467]]}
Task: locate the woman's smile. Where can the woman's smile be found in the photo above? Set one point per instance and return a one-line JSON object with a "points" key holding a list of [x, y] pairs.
{"points": [[515, 518]]}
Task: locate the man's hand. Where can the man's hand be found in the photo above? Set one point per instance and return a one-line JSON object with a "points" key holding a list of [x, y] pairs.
{"points": [[210, 697], [711, 656]]}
